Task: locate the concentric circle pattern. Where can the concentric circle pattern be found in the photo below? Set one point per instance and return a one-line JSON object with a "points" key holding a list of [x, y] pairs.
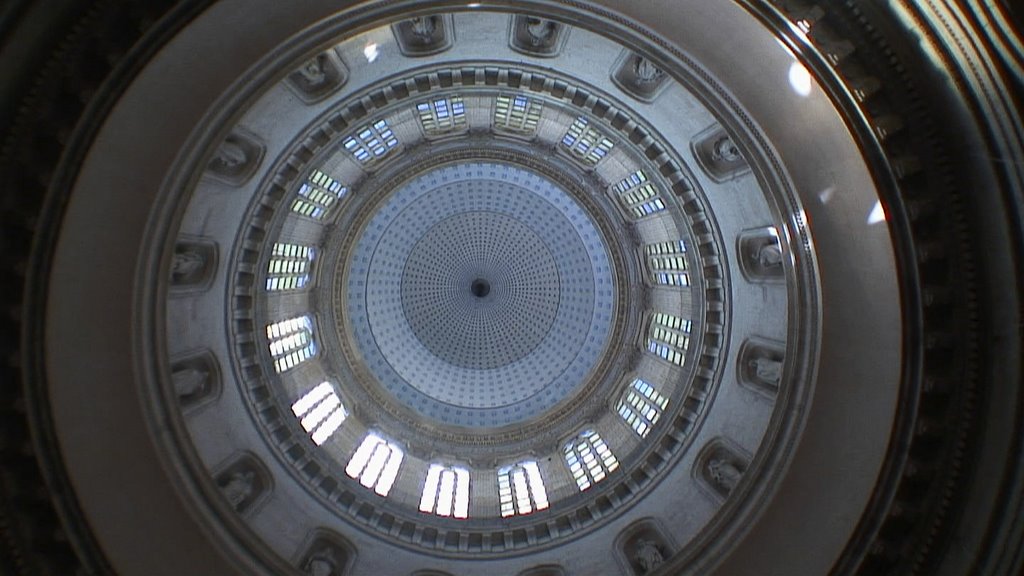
{"points": [[516, 287], [432, 336], [480, 290]]}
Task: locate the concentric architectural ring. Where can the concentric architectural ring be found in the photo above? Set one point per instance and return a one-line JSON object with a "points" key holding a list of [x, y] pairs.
{"points": [[480, 290], [808, 312], [460, 358], [338, 397]]}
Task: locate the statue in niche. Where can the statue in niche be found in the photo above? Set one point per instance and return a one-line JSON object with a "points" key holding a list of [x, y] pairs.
{"points": [[240, 487], [725, 150], [648, 555], [190, 382], [769, 255], [540, 31], [645, 72], [230, 155], [313, 73], [322, 563], [724, 474], [187, 265], [423, 28], [767, 370]]}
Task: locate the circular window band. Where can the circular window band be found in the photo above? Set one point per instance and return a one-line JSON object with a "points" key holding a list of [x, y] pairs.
{"points": [[378, 407], [688, 406]]}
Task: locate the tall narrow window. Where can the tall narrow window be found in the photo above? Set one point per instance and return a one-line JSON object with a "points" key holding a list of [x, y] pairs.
{"points": [[317, 195], [442, 115], [289, 266], [666, 263], [375, 464], [669, 337], [585, 142], [521, 489], [589, 459], [638, 195], [320, 411], [291, 342], [641, 406], [516, 113], [446, 491], [371, 141]]}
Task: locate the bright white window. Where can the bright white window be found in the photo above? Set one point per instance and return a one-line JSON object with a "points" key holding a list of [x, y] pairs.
{"points": [[669, 337], [371, 141], [516, 113], [291, 342], [375, 464], [641, 406], [589, 459], [521, 489], [666, 263], [317, 195], [442, 115], [585, 143], [289, 266], [638, 195], [320, 412], [446, 491]]}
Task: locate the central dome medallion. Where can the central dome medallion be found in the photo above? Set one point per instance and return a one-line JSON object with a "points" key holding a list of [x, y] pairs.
{"points": [[480, 294]]}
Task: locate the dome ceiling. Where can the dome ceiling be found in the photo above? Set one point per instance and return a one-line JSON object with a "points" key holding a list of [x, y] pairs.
{"points": [[482, 307], [528, 288], [473, 358]]}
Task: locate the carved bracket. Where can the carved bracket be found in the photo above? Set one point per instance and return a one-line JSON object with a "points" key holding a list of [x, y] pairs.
{"points": [[327, 554], [760, 365], [244, 483], [537, 36], [318, 77], [720, 467], [761, 256], [236, 158], [195, 380], [643, 547], [718, 154], [193, 265], [424, 35], [638, 76]]}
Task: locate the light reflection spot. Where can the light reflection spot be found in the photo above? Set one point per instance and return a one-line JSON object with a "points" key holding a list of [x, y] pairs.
{"points": [[877, 214], [800, 79], [371, 52]]}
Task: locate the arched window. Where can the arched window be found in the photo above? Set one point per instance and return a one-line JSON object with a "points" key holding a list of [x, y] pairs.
{"points": [[371, 141], [521, 489], [375, 464], [446, 491], [586, 143], [321, 412], [317, 195], [666, 263], [638, 195], [589, 459], [289, 266], [516, 113], [641, 406], [291, 342], [442, 115], [668, 337]]}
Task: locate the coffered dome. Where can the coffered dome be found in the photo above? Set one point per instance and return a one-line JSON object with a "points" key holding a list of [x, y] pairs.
{"points": [[532, 288]]}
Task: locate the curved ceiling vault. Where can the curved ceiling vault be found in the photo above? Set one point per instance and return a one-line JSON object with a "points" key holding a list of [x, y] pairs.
{"points": [[543, 289]]}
